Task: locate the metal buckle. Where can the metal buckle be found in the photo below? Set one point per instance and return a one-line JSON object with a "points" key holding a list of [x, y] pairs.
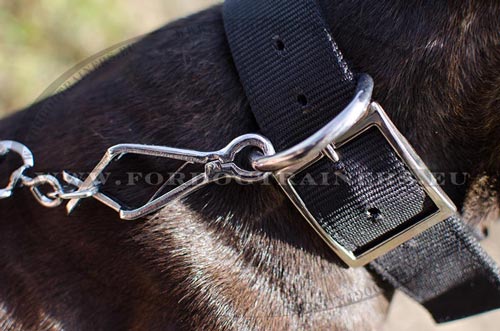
{"points": [[359, 116]]}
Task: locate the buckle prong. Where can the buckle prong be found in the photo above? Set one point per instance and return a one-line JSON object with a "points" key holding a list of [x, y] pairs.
{"points": [[356, 119], [309, 149], [331, 153]]}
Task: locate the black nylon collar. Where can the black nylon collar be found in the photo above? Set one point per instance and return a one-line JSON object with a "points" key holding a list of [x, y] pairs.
{"points": [[296, 81]]}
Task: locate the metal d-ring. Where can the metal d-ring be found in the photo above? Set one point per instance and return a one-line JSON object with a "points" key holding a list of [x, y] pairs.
{"points": [[313, 146], [24, 152]]}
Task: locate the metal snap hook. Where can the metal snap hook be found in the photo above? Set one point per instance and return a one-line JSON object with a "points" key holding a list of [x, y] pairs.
{"points": [[24, 152], [217, 164]]}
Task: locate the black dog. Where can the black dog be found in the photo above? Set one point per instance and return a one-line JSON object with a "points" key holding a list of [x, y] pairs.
{"points": [[236, 257]]}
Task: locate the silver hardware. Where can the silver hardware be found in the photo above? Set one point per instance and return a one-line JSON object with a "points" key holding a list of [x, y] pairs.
{"points": [[358, 117], [218, 164], [28, 162], [18, 178], [310, 148], [73, 195], [331, 153], [44, 180], [98, 196]]}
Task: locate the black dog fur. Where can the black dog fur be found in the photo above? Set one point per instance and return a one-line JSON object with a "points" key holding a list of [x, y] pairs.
{"points": [[236, 257]]}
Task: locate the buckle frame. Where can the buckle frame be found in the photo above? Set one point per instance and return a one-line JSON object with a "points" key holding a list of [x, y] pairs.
{"points": [[357, 118]]}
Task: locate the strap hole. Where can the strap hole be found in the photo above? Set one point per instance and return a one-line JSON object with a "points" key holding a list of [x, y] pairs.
{"points": [[374, 214], [302, 100], [279, 45]]}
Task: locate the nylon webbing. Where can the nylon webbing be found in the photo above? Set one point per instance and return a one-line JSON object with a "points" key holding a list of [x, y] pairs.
{"points": [[296, 81]]}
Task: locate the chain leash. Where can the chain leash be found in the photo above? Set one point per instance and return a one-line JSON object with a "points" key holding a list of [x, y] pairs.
{"points": [[51, 198], [50, 192]]}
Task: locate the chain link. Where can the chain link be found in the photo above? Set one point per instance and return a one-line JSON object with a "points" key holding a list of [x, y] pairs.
{"points": [[57, 194], [46, 189], [35, 185]]}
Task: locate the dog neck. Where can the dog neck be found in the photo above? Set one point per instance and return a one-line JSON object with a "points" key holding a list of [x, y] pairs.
{"points": [[231, 257]]}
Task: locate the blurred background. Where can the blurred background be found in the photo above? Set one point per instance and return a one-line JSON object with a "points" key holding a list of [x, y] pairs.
{"points": [[41, 40]]}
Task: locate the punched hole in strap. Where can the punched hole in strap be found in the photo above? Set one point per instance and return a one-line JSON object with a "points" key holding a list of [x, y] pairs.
{"points": [[304, 103], [374, 214], [302, 100], [278, 44]]}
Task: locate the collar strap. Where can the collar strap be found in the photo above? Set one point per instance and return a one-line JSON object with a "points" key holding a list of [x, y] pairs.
{"points": [[298, 84]]}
